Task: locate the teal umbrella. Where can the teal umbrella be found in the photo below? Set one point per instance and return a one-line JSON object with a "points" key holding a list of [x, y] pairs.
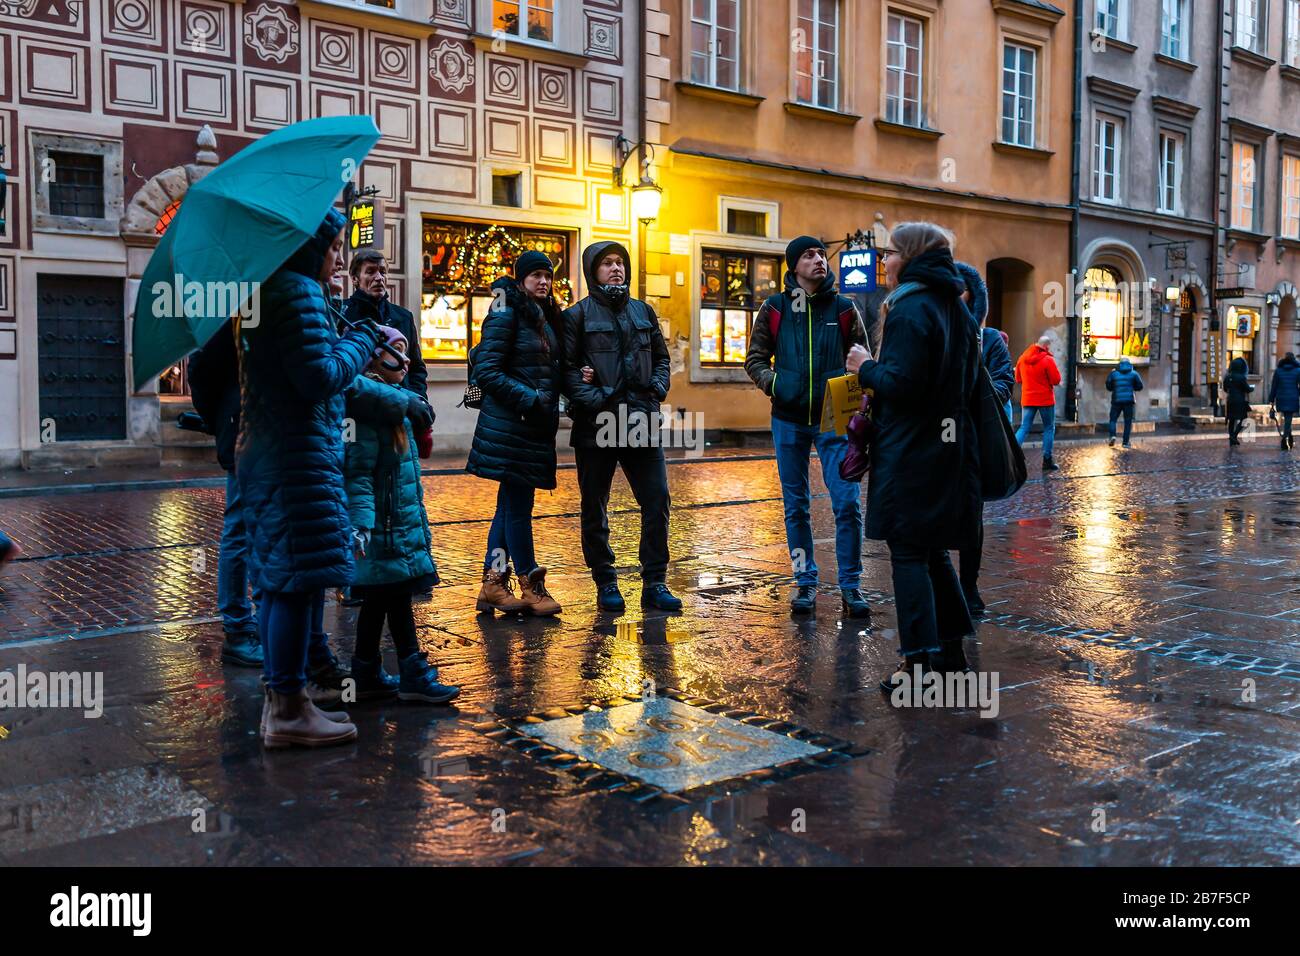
{"points": [[235, 227]]}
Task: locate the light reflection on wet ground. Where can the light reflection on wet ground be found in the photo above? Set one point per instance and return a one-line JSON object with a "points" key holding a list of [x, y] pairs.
{"points": [[1181, 543]]}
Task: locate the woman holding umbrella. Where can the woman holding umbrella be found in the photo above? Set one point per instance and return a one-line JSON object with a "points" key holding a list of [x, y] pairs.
{"points": [[294, 371]]}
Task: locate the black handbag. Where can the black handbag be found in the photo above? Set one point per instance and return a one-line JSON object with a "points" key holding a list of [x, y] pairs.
{"points": [[1002, 461]]}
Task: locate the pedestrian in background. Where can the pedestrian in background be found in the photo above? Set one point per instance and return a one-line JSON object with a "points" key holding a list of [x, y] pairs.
{"points": [[619, 339], [518, 365], [392, 543], [1038, 376], [806, 332], [923, 497], [1123, 383], [1237, 389], [9, 549], [294, 371], [1284, 395], [996, 358]]}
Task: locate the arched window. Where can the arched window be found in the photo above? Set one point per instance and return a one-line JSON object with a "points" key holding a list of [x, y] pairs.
{"points": [[167, 216], [1105, 315]]}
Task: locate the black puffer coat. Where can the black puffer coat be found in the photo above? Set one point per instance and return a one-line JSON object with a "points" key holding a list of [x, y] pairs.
{"points": [[1237, 388], [925, 485], [518, 365]]}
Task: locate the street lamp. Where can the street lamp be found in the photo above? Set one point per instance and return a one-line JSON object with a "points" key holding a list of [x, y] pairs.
{"points": [[647, 195]]}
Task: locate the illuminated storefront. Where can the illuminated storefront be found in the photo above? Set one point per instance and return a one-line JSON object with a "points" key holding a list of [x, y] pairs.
{"points": [[459, 263], [1241, 334], [733, 286]]}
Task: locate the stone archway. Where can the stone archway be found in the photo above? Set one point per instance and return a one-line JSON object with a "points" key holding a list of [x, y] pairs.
{"points": [[1285, 326]]}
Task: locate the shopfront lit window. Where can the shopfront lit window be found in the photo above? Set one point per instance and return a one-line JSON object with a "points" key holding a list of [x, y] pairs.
{"points": [[460, 262], [534, 19], [1243, 328], [733, 286], [1105, 315]]}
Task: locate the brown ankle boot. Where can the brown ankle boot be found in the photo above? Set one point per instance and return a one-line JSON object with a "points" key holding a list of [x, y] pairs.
{"points": [[293, 720], [498, 594], [535, 595], [338, 716]]}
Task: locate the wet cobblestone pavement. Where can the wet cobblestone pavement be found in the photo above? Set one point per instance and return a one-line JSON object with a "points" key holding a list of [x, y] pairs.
{"points": [[1144, 621]]}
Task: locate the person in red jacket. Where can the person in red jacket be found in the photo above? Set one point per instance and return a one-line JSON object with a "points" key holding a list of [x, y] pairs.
{"points": [[1038, 375]]}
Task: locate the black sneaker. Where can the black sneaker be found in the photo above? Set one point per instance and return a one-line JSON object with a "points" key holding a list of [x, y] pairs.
{"points": [[325, 681], [906, 671], [658, 596], [974, 603], [853, 603], [803, 600], [242, 650], [1050, 465]]}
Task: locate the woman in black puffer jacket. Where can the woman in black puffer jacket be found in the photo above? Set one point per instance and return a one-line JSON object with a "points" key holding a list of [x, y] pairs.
{"points": [[924, 493], [518, 365]]}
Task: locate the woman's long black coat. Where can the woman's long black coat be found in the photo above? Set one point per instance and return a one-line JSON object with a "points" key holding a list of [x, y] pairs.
{"points": [[924, 486]]}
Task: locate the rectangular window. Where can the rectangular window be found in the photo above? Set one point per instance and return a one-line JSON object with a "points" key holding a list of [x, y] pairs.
{"points": [[733, 287], [1291, 47], [460, 261], [1243, 324], [903, 71], [1111, 19], [1291, 197], [1245, 169], [1171, 173], [526, 19], [715, 43], [1018, 94], [1106, 159], [76, 184], [1173, 28], [817, 78], [1248, 26]]}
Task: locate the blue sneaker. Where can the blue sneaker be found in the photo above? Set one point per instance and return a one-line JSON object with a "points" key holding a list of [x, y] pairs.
{"points": [[242, 650], [419, 682], [609, 598], [372, 681], [659, 597]]}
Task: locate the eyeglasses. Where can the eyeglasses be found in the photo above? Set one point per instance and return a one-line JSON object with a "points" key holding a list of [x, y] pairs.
{"points": [[886, 253]]}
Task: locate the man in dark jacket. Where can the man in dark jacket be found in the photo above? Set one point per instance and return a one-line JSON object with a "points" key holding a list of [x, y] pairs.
{"points": [[806, 332], [615, 412], [369, 272], [1284, 395], [997, 359], [1123, 383]]}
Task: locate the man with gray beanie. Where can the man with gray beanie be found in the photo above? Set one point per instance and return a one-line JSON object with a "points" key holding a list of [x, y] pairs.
{"points": [[800, 339]]}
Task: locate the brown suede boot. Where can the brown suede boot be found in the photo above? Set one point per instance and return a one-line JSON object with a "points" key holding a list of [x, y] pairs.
{"points": [[498, 594], [293, 720], [338, 716], [535, 595]]}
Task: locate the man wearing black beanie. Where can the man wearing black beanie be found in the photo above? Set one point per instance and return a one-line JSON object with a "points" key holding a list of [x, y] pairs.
{"points": [[806, 333]]}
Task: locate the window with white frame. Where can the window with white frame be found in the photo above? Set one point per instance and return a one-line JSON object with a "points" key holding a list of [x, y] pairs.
{"points": [[1019, 76], [715, 43], [1112, 19], [1171, 173], [1291, 45], [1173, 28], [1245, 169], [1291, 196], [817, 60], [1108, 133], [1249, 27], [525, 19], [904, 48]]}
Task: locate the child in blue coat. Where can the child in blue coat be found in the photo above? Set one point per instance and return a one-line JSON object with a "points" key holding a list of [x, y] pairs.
{"points": [[391, 539]]}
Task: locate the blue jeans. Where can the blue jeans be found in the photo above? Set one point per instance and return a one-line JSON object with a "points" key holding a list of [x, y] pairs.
{"points": [[1048, 413], [284, 620], [233, 567], [793, 445], [1008, 409], [1125, 409], [511, 534]]}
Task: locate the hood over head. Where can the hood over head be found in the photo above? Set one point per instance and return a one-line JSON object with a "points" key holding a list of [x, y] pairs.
{"points": [[1238, 366], [1125, 365], [614, 297], [309, 258], [979, 292], [936, 270]]}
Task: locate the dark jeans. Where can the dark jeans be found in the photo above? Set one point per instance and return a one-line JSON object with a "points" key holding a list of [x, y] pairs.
{"points": [[511, 535], [928, 597], [970, 560], [647, 473], [1286, 425], [393, 603], [1125, 409], [1235, 425], [284, 620]]}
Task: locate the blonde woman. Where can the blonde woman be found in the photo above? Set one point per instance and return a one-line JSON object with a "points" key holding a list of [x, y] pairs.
{"points": [[924, 493]]}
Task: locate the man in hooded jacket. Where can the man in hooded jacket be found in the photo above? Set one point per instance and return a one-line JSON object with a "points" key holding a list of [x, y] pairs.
{"points": [[1038, 376], [615, 340]]}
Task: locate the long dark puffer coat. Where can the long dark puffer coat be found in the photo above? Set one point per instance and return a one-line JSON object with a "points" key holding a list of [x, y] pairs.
{"points": [[1237, 388], [289, 459], [924, 487], [1284, 393], [518, 364]]}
